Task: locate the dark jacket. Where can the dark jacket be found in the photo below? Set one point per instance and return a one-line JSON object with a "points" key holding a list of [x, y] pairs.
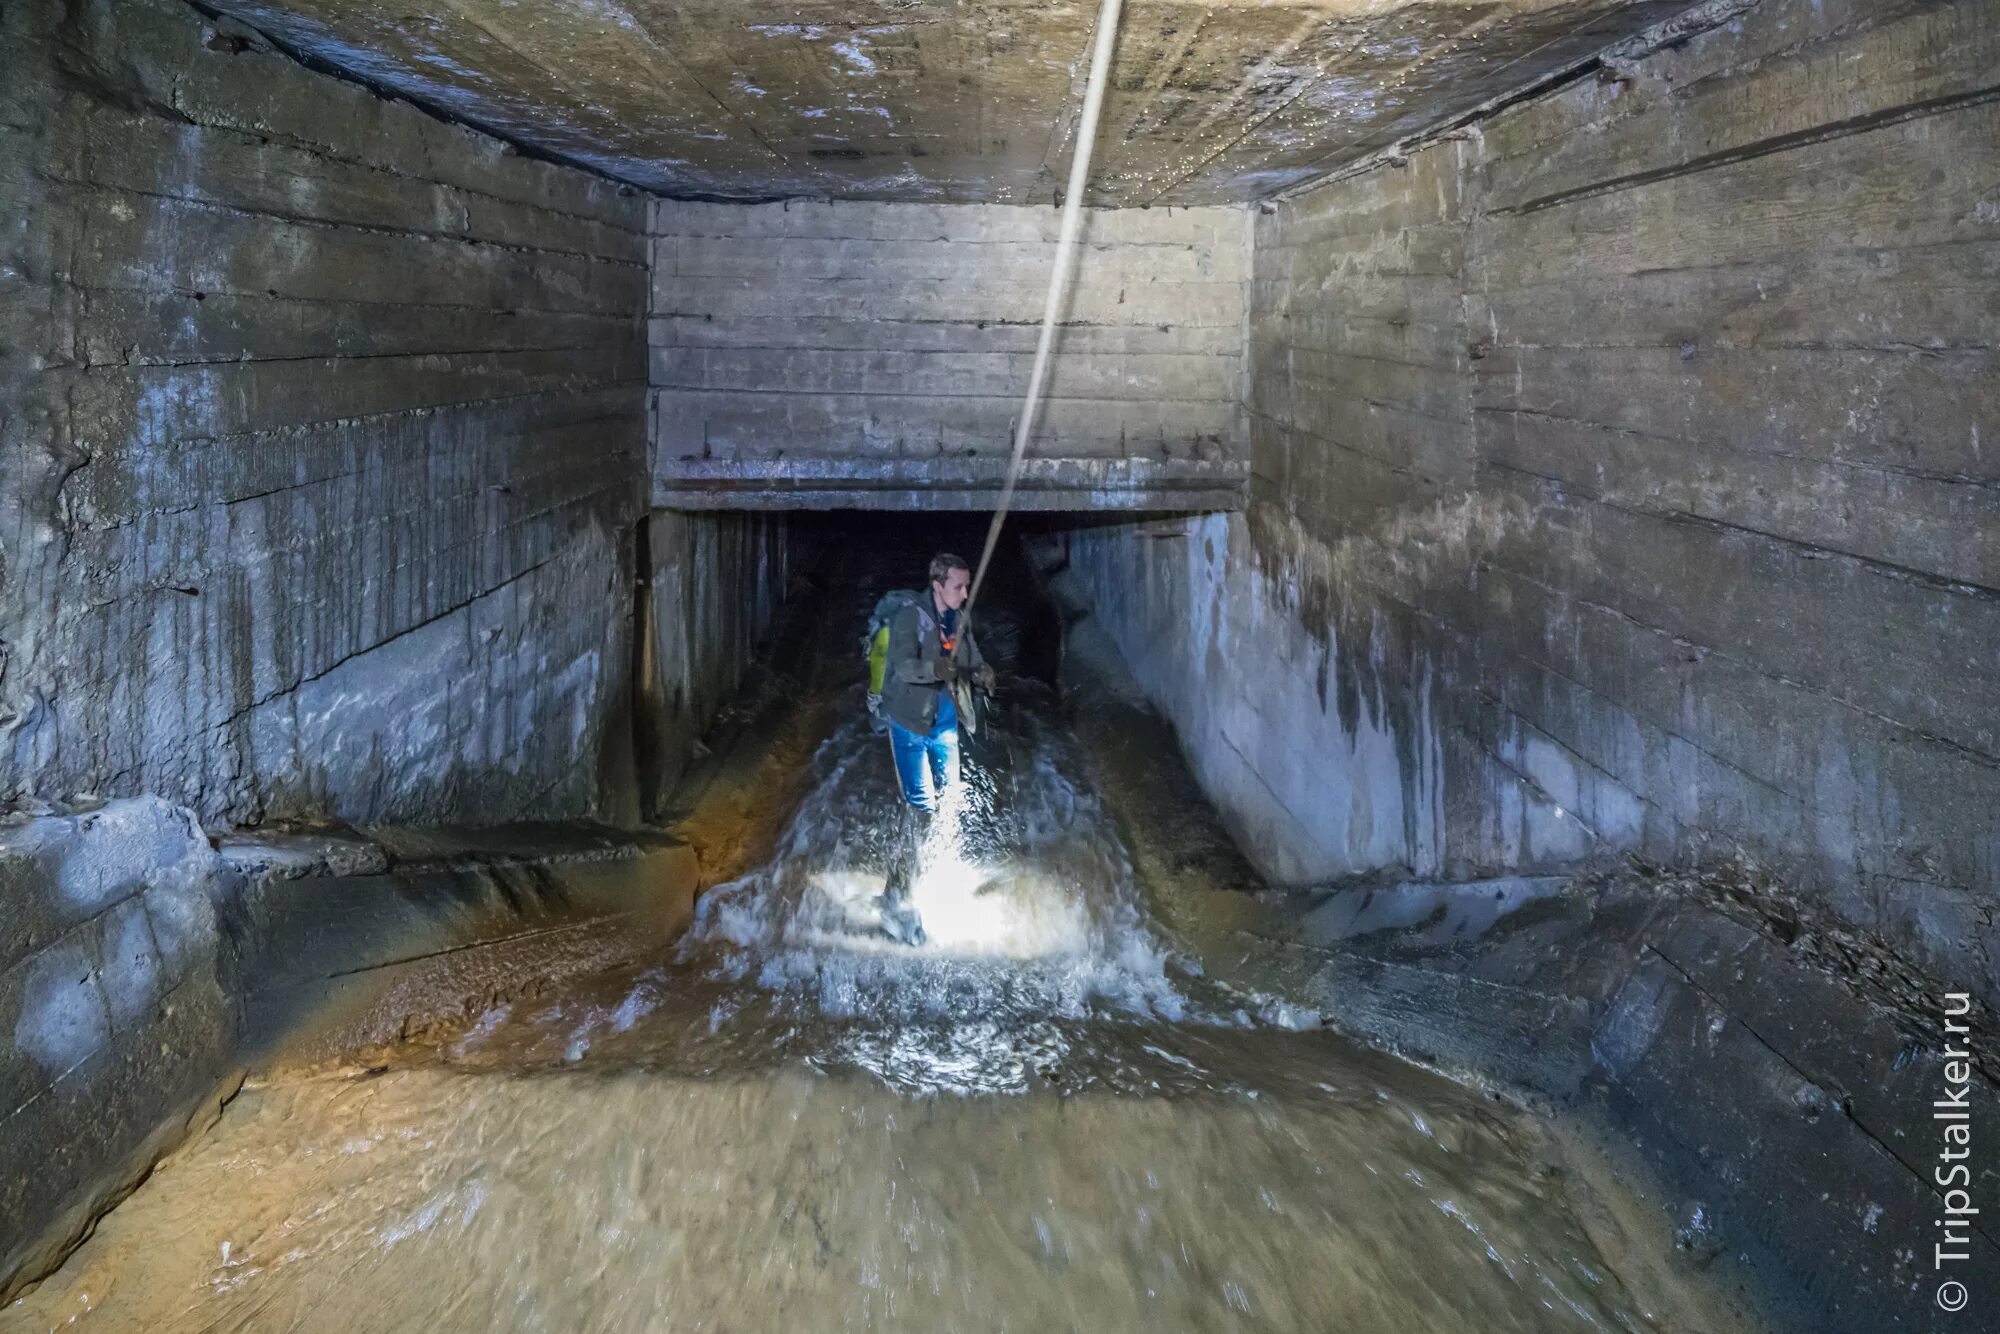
{"points": [[911, 686]]}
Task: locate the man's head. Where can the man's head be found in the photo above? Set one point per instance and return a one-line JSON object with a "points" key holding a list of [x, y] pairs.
{"points": [[951, 580]]}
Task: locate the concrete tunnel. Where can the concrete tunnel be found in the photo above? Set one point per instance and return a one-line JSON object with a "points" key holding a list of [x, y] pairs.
{"points": [[1507, 573]]}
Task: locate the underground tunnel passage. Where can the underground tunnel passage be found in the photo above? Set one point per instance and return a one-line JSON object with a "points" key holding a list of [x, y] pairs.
{"points": [[1486, 809]]}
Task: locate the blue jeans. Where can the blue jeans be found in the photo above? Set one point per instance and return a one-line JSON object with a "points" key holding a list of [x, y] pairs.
{"points": [[925, 765]]}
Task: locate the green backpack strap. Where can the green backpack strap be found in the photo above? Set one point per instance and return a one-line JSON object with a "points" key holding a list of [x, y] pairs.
{"points": [[878, 659], [875, 644]]}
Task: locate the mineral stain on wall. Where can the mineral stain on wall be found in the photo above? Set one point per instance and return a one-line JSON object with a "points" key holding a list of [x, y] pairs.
{"points": [[1319, 772]]}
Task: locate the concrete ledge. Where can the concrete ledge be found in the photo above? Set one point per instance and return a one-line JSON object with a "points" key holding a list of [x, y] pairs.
{"points": [[142, 970], [1780, 1089], [950, 483], [460, 920]]}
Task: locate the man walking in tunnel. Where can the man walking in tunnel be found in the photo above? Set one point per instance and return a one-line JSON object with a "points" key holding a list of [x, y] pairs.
{"points": [[927, 655]]}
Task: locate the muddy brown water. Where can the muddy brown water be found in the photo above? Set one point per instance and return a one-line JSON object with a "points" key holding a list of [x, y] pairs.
{"points": [[1045, 1118]]}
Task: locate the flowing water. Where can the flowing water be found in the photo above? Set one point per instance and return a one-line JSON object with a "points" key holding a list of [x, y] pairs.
{"points": [[1044, 1118]]}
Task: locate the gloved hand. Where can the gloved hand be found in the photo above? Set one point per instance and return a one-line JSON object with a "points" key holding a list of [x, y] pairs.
{"points": [[983, 677]]}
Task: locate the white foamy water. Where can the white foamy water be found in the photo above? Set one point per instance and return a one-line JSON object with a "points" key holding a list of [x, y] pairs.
{"points": [[1025, 891]]}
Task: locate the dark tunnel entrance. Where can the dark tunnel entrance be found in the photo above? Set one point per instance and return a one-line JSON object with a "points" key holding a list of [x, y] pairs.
{"points": [[878, 550]]}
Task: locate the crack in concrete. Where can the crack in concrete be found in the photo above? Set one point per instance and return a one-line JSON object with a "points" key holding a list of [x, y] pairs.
{"points": [[335, 357], [1845, 1103], [346, 658], [294, 298], [1905, 573], [197, 202], [1966, 752], [1832, 130], [1729, 446]]}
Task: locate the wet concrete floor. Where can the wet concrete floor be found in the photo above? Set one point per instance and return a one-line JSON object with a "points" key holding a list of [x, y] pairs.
{"points": [[1047, 1117]]}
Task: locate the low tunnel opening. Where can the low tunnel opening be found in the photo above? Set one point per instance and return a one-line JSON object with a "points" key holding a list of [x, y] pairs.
{"points": [[867, 553]]}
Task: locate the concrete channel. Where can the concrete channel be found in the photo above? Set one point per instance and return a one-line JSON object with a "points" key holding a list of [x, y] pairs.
{"points": [[1490, 816]]}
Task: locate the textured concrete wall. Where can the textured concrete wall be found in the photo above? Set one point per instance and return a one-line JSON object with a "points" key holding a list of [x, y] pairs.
{"points": [[1738, 327], [1316, 770], [906, 331], [718, 581], [1627, 455], [115, 1018], [320, 438], [1296, 647], [1761, 1072]]}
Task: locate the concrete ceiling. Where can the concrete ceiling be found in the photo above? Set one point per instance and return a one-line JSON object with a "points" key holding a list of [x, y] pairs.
{"points": [[950, 100]]}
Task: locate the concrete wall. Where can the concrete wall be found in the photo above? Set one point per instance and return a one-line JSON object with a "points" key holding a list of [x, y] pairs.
{"points": [[320, 439], [115, 1018], [1290, 645], [906, 331], [718, 581], [1620, 486]]}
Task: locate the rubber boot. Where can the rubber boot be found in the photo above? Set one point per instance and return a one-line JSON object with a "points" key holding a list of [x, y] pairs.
{"points": [[899, 916]]}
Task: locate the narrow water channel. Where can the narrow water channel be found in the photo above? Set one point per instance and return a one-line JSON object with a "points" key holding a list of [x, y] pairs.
{"points": [[1045, 1118]]}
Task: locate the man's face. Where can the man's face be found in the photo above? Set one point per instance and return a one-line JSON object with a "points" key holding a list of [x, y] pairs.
{"points": [[951, 590]]}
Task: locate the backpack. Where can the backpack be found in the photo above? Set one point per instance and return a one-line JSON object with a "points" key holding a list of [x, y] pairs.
{"points": [[875, 644], [875, 648]]}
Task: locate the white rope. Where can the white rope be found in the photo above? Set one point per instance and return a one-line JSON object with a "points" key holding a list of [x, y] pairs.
{"points": [[1072, 225]]}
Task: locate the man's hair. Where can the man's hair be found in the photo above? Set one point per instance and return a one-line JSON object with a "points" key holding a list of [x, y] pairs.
{"points": [[944, 563]]}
